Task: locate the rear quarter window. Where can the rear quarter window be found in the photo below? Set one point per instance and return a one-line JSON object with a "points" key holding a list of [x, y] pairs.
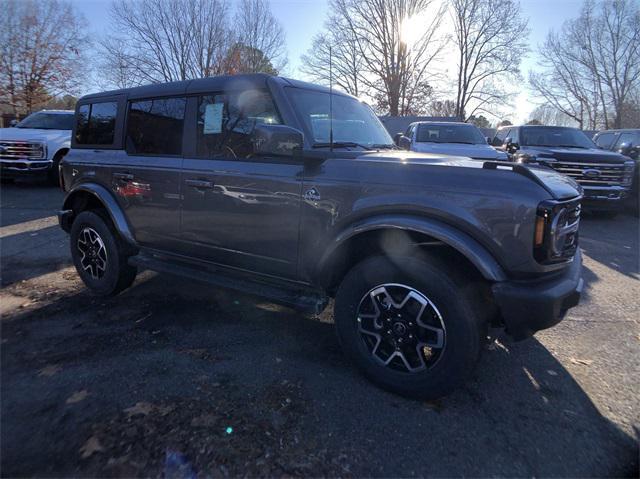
{"points": [[96, 123]]}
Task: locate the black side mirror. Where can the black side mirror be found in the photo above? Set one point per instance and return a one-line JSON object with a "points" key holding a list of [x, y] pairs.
{"points": [[511, 147], [276, 140], [13, 123], [397, 137], [488, 138]]}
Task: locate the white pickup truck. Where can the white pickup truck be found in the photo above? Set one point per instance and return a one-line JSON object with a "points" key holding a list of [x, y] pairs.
{"points": [[35, 146]]}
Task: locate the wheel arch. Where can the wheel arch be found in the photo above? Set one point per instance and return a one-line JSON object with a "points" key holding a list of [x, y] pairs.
{"points": [[88, 196], [382, 234]]}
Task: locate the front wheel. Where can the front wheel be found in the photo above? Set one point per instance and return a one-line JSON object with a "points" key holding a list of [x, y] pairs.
{"points": [[409, 326], [99, 256]]}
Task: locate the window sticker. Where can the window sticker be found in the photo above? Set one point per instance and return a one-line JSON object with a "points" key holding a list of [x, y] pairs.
{"points": [[213, 118]]}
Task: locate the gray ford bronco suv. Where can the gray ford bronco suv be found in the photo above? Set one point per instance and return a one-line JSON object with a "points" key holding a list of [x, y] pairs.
{"points": [[279, 188]]}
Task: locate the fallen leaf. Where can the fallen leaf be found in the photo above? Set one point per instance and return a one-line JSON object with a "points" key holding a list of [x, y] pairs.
{"points": [[92, 445], [49, 370], [77, 396], [143, 408], [585, 362]]}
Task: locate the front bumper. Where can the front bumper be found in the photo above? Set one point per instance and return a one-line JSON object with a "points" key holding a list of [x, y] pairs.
{"points": [[604, 197], [12, 168], [531, 305]]}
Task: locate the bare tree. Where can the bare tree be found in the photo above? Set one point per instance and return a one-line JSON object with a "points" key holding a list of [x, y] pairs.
{"points": [[490, 38], [262, 38], [443, 108], [165, 40], [547, 114], [347, 63], [41, 52], [593, 66], [394, 68]]}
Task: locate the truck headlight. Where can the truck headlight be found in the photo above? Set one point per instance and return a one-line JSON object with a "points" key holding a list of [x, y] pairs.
{"points": [[556, 231], [627, 179]]}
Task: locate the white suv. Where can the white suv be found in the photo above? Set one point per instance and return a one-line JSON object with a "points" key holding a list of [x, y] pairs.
{"points": [[35, 146]]}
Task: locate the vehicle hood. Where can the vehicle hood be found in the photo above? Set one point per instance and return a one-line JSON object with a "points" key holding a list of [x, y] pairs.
{"points": [[582, 155], [559, 186], [478, 152], [34, 134]]}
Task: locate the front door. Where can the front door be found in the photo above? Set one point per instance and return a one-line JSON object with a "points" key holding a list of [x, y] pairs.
{"points": [[240, 209], [146, 179]]}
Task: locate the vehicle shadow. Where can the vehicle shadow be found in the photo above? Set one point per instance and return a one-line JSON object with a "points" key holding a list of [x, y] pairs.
{"points": [[614, 243], [43, 200], [176, 342], [47, 249]]}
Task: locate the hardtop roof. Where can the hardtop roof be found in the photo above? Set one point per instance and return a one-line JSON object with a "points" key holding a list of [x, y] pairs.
{"points": [[203, 85]]}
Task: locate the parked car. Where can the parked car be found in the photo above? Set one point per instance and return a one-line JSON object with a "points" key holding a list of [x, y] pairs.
{"points": [[627, 143], [448, 138], [605, 176], [422, 253], [35, 146]]}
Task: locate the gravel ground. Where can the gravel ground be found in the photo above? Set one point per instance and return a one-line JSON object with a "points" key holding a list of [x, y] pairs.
{"points": [[178, 379]]}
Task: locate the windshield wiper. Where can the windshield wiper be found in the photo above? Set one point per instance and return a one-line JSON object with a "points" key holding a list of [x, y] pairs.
{"points": [[572, 146], [340, 144]]}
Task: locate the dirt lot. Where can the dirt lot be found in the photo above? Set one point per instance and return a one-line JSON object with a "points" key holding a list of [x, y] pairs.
{"points": [[173, 377]]}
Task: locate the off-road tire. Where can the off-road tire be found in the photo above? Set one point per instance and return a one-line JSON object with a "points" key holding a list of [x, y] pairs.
{"points": [[118, 274], [453, 297]]}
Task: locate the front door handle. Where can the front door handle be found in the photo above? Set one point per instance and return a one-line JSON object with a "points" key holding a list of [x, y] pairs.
{"points": [[199, 183], [123, 176]]}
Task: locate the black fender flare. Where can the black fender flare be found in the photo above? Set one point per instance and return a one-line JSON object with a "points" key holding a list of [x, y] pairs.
{"points": [[110, 204], [460, 241]]}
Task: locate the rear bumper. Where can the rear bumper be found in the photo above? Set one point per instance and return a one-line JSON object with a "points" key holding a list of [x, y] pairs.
{"points": [[531, 305]]}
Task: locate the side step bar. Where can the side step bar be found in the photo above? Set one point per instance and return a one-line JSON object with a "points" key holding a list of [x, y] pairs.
{"points": [[294, 296]]}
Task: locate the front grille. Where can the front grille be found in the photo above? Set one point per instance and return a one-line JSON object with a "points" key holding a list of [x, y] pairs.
{"points": [[21, 150], [594, 174]]}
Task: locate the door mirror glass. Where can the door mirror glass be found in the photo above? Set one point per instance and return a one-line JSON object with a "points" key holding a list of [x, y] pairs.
{"points": [[276, 140], [511, 146]]}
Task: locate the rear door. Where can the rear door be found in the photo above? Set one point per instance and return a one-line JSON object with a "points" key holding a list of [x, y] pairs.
{"points": [[146, 176], [239, 209]]}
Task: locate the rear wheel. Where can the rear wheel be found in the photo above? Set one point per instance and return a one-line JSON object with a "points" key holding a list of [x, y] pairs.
{"points": [[409, 326], [99, 256]]}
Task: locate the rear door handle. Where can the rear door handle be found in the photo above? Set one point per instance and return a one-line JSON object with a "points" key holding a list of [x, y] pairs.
{"points": [[123, 176], [199, 183]]}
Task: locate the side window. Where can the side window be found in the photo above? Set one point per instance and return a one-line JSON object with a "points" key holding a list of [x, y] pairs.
{"points": [[409, 132], [154, 127], [605, 140], [498, 140], [96, 123], [626, 138], [226, 121], [515, 136]]}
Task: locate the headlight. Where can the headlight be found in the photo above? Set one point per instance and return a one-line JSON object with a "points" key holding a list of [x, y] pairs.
{"points": [[556, 231], [628, 173], [38, 147]]}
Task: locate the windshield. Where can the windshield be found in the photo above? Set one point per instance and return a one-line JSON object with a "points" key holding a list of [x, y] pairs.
{"points": [[48, 121], [554, 136], [468, 134], [353, 121]]}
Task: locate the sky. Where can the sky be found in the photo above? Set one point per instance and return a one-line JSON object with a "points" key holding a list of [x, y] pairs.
{"points": [[302, 19]]}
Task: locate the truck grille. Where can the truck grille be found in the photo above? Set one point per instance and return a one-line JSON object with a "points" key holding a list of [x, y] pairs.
{"points": [[21, 150], [594, 174]]}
